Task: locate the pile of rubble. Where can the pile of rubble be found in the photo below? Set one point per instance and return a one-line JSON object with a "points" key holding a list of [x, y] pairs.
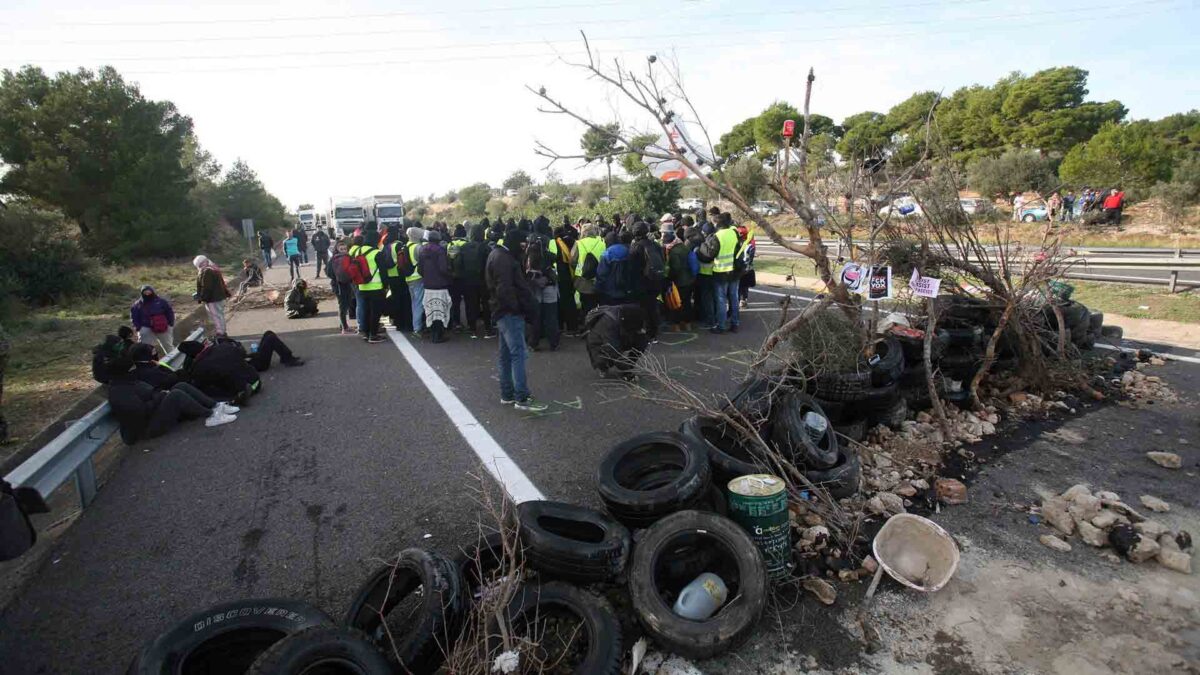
{"points": [[1140, 387], [1103, 521]]}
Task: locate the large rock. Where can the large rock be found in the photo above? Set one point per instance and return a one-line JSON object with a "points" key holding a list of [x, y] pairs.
{"points": [[1154, 504], [875, 506], [891, 502], [1151, 528], [1175, 559], [1084, 507], [1105, 495], [1051, 541], [1054, 511], [950, 491], [1092, 535], [1167, 460], [1075, 491], [1106, 519], [822, 589], [1145, 549]]}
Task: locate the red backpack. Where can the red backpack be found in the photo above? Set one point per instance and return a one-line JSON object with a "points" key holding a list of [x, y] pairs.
{"points": [[356, 269]]}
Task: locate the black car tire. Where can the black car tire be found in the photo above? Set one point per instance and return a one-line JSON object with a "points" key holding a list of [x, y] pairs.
{"points": [[572, 542], [843, 479], [652, 475], [600, 626], [225, 638], [326, 649], [843, 386], [790, 435], [734, 558], [728, 456], [1095, 322], [890, 366], [892, 417], [443, 605], [477, 564], [963, 337], [855, 431]]}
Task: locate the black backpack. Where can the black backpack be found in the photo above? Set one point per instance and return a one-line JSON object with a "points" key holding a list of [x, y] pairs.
{"points": [[654, 269]]}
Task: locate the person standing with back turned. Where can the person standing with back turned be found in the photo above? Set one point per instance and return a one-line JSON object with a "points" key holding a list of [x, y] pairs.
{"points": [[512, 305], [212, 291]]}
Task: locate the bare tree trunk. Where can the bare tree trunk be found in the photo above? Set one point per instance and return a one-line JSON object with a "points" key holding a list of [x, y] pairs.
{"points": [[989, 355], [608, 163], [939, 410]]}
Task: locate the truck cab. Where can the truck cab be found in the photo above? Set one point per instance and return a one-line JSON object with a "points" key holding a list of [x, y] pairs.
{"points": [[388, 213], [308, 219], [349, 216]]}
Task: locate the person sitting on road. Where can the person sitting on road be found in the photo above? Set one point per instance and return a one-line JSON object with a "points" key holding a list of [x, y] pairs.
{"points": [[148, 368], [153, 318], [299, 304], [223, 369], [145, 412], [107, 351], [252, 276]]}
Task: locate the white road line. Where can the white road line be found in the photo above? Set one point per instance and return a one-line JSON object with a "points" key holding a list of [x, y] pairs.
{"points": [[801, 298], [1169, 357], [494, 459]]}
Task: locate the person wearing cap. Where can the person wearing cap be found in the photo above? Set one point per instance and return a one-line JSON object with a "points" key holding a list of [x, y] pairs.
{"points": [[512, 305]]}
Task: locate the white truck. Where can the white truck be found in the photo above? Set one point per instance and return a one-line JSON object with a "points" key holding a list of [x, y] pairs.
{"points": [[308, 219], [347, 215], [385, 210]]}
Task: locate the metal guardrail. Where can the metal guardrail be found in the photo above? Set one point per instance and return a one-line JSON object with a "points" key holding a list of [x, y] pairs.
{"points": [[70, 455]]}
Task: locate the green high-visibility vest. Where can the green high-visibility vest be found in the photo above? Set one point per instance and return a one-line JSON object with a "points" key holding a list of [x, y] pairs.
{"points": [[376, 281], [412, 257], [553, 247], [723, 263], [395, 269], [585, 246]]}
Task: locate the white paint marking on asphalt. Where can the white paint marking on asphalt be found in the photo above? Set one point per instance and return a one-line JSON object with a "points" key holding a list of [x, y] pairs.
{"points": [[1165, 355], [495, 460], [801, 298]]}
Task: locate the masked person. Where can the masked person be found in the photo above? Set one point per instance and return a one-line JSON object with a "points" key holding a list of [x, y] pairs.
{"points": [[299, 303], [154, 319]]}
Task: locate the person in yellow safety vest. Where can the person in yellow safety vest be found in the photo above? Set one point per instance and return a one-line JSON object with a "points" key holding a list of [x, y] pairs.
{"points": [[372, 291], [706, 300], [396, 306], [453, 248], [585, 258], [416, 288], [722, 248]]}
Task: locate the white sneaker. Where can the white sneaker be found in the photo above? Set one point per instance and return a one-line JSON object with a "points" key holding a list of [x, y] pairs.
{"points": [[227, 408], [217, 419]]}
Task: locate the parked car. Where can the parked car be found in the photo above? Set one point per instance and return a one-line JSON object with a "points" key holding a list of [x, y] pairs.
{"points": [[973, 206], [1035, 212], [903, 207], [690, 204], [765, 208]]}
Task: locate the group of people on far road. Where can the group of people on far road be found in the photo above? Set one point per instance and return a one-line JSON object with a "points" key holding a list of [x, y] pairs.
{"points": [[528, 283], [1065, 206]]}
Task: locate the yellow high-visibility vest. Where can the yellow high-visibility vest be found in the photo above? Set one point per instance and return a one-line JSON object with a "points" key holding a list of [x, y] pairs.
{"points": [[723, 263], [395, 269], [375, 283], [585, 246], [412, 257]]}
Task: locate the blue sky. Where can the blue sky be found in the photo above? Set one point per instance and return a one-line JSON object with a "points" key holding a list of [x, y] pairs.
{"points": [[355, 98]]}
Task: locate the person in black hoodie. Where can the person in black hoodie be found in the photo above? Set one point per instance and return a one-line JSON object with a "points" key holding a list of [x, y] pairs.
{"points": [[112, 347], [470, 266], [148, 369], [145, 412], [224, 370], [646, 257]]}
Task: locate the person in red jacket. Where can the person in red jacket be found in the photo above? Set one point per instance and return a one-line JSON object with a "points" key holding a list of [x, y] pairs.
{"points": [[1113, 203]]}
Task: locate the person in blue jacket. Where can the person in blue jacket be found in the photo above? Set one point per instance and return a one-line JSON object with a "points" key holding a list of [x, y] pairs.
{"points": [[154, 319]]}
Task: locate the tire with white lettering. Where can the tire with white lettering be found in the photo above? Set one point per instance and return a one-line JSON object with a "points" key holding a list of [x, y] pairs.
{"points": [[225, 638], [431, 623], [328, 649]]}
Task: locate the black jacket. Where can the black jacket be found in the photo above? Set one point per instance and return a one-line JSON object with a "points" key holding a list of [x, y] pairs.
{"points": [[133, 402], [221, 370], [156, 375], [507, 286], [471, 263], [320, 241]]}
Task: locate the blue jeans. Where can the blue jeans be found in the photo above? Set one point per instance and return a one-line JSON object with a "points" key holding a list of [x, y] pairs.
{"points": [[266, 257], [360, 311], [416, 291], [726, 291], [511, 361]]}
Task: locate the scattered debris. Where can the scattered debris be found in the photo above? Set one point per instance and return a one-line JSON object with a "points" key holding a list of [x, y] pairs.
{"points": [[1174, 559], [506, 662], [1154, 504], [657, 663], [1167, 460], [950, 491], [825, 592], [1051, 541]]}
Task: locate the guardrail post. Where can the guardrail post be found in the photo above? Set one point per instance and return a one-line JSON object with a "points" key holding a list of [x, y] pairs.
{"points": [[1173, 280], [85, 482]]}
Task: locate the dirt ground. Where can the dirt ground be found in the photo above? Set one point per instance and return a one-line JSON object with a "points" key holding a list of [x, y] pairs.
{"points": [[1015, 606]]}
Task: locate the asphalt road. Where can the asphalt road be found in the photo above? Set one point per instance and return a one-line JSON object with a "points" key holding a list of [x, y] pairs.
{"points": [[334, 467]]}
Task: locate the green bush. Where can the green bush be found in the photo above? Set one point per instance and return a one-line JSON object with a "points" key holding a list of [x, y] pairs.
{"points": [[39, 262]]}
